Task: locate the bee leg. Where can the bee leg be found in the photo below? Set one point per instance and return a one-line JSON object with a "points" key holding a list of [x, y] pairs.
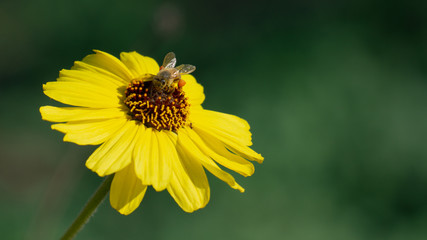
{"points": [[181, 83]]}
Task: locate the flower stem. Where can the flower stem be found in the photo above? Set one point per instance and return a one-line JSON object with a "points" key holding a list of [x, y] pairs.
{"points": [[89, 208]]}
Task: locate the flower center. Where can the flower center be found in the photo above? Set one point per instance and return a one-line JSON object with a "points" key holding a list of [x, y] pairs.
{"points": [[156, 108]]}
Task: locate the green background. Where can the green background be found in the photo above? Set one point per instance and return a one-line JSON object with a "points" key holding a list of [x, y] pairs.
{"points": [[335, 92]]}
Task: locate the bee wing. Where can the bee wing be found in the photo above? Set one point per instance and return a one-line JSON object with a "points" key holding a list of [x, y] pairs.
{"points": [[186, 68], [169, 61]]}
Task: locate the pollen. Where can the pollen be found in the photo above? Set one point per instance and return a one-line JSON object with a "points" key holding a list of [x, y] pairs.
{"points": [[156, 108]]}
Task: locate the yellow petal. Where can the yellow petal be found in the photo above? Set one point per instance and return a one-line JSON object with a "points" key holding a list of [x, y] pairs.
{"points": [[126, 191], [223, 125], [110, 63], [244, 151], [115, 153], [102, 75], [189, 185], [232, 145], [193, 90], [153, 158], [138, 64], [92, 132], [217, 151], [93, 78], [189, 146], [82, 94], [65, 114]]}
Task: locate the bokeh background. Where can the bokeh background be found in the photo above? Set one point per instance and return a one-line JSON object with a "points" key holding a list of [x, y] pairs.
{"points": [[335, 92]]}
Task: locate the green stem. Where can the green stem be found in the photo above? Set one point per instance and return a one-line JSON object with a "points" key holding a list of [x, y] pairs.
{"points": [[89, 208]]}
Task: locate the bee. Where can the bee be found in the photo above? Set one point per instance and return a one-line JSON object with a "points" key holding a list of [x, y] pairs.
{"points": [[169, 76]]}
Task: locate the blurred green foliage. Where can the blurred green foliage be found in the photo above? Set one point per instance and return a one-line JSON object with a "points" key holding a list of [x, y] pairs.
{"points": [[335, 92]]}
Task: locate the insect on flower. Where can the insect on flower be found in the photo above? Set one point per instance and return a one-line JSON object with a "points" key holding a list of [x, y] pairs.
{"points": [[151, 128], [169, 77]]}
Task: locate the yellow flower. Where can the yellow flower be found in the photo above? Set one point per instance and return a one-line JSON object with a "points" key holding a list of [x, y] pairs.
{"points": [[149, 136]]}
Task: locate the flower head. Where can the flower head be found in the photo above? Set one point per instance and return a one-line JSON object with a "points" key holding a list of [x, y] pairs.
{"points": [[151, 126]]}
